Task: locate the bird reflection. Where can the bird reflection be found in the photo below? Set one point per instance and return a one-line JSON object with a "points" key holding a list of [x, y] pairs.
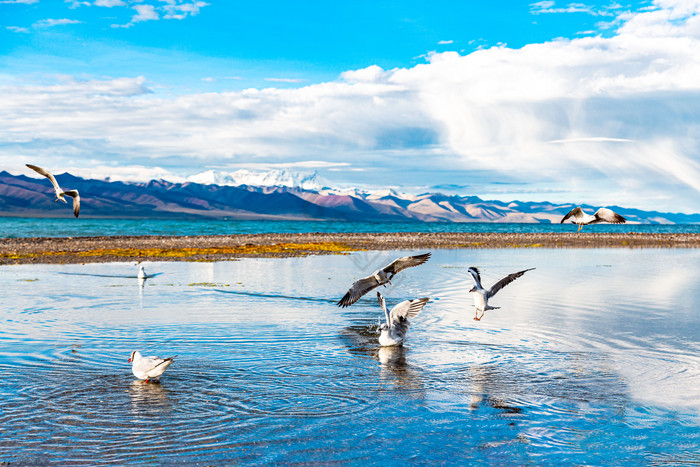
{"points": [[485, 382], [149, 397], [393, 361]]}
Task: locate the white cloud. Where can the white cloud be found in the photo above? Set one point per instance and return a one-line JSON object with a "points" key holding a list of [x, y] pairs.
{"points": [[109, 3], [211, 79], [591, 120], [179, 10], [285, 80], [48, 23], [445, 42], [26, 2], [164, 9], [547, 7], [17, 29], [144, 13]]}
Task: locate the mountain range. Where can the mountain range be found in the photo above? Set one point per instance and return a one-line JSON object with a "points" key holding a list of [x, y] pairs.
{"points": [[24, 196]]}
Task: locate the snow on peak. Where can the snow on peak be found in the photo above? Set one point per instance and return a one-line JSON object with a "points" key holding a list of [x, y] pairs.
{"points": [[279, 177]]}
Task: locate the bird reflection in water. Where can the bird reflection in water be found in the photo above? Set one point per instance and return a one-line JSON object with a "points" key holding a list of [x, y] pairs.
{"points": [[487, 385], [149, 397], [394, 365]]}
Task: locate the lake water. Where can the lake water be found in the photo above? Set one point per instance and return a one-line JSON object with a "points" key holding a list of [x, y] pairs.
{"points": [[15, 227], [594, 358]]}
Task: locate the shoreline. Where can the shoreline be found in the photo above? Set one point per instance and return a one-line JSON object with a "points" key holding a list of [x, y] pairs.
{"points": [[76, 250]]}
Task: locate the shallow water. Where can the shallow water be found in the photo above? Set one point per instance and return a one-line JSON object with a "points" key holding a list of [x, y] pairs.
{"points": [[593, 358]]}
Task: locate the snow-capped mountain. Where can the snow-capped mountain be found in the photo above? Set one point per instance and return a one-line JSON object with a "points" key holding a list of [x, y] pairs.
{"points": [[281, 177], [232, 198]]}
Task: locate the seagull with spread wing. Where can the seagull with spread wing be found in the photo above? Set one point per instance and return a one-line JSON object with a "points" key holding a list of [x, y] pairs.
{"points": [[481, 295], [395, 331], [602, 215], [380, 277], [148, 367], [59, 191]]}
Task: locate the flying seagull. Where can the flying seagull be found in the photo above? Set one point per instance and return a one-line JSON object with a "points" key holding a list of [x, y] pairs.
{"points": [[602, 215], [396, 328], [380, 277], [481, 295], [59, 192], [148, 367]]}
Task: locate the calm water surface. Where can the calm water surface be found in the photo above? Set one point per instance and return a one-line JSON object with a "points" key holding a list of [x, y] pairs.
{"points": [[594, 358]]}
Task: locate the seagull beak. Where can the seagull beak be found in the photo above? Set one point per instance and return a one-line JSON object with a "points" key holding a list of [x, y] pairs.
{"points": [[129, 361]]}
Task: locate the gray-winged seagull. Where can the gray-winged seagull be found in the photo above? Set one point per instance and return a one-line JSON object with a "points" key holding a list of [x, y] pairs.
{"points": [[59, 192], [481, 295], [148, 367], [380, 277], [396, 328], [602, 215]]}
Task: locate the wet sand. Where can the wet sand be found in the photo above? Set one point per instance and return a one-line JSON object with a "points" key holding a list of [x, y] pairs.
{"points": [[231, 247]]}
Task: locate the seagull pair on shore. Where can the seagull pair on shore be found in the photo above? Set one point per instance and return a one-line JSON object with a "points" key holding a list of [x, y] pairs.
{"points": [[60, 193], [148, 368]]}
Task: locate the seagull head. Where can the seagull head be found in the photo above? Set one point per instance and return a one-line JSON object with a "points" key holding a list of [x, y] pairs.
{"points": [[383, 327], [473, 289], [131, 359]]}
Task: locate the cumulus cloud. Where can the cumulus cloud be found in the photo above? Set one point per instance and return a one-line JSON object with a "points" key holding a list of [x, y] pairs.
{"points": [[597, 120], [144, 13]]}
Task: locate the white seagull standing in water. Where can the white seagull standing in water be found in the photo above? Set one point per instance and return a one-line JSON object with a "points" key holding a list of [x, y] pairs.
{"points": [[59, 192], [602, 215], [380, 277], [396, 328], [481, 295], [148, 367], [142, 273]]}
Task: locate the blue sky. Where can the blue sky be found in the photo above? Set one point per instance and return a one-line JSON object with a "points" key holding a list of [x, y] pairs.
{"points": [[581, 102], [268, 41]]}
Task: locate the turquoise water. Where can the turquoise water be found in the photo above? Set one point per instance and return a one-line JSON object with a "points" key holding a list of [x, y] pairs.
{"points": [[593, 358], [11, 227]]}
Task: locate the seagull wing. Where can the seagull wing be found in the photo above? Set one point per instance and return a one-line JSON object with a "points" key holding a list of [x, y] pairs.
{"points": [[407, 309], [358, 289], [406, 262], [608, 215], [382, 303], [476, 276], [505, 281], [575, 213], [146, 364], [76, 200], [46, 174]]}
